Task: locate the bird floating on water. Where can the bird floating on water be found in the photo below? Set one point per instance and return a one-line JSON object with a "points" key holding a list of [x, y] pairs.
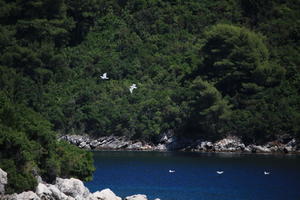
{"points": [[266, 173], [132, 87], [220, 172], [171, 171], [104, 76]]}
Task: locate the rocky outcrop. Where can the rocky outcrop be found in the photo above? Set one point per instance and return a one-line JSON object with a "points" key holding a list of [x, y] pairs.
{"points": [[229, 144], [137, 197], [64, 189], [105, 194], [50, 192], [72, 187], [3, 181], [106, 143], [22, 196], [169, 142]]}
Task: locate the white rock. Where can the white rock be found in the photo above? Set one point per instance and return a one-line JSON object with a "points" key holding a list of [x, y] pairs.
{"points": [[209, 144], [261, 149], [137, 197], [42, 191], [58, 194], [229, 144], [28, 196], [291, 143], [247, 149], [3, 181], [72, 187], [161, 147], [9, 197], [105, 194], [288, 148], [136, 145], [82, 145]]}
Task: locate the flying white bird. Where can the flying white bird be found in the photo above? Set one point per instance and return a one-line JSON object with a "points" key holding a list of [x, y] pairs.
{"points": [[220, 172], [104, 76], [132, 87], [266, 173], [171, 171]]}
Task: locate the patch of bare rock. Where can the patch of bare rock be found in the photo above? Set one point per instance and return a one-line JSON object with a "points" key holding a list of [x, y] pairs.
{"points": [[62, 189], [169, 142]]}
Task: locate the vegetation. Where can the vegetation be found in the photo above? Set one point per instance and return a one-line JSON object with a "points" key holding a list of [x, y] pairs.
{"points": [[204, 69]]}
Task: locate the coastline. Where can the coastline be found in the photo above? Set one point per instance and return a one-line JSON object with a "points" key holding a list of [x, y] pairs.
{"points": [[62, 189], [169, 143]]}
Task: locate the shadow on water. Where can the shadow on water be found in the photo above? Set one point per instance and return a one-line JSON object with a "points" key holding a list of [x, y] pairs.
{"points": [[195, 176]]}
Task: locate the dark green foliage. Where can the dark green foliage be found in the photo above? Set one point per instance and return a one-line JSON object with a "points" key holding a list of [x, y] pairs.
{"points": [[203, 69], [28, 145], [236, 60], [207, 110]]}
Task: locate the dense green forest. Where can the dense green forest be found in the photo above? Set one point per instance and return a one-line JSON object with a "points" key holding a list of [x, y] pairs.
{"points": [[203, 69]]}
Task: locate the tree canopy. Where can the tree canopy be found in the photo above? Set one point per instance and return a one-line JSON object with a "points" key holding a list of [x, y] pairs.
{"points": [[203, 69]]}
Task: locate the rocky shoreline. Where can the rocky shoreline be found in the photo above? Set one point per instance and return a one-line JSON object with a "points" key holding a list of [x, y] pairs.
{"points": [[168, 142], [62, 189]]}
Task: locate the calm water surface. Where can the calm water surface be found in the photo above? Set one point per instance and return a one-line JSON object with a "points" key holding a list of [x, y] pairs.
{"points": [[195, 176]]}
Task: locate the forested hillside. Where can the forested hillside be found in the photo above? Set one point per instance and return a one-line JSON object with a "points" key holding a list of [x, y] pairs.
{"points": [[203, 69]]}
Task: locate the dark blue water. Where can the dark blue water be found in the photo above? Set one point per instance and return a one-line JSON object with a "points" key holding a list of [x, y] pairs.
{"points": [[195, 176]]}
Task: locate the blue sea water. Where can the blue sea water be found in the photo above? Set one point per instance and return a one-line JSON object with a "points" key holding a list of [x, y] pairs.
{"points": [[195, 177]]}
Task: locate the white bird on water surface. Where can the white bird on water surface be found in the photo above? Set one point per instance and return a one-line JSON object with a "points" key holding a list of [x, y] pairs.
{"points": [[220, 172], [132, 87], [171, 171], [266, 173], [104, 76]]}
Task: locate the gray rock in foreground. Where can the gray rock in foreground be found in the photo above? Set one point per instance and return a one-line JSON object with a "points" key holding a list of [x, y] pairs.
{"points": [[64, 189], [3, 181], [72, 187], [105, 194], [22, 196]]}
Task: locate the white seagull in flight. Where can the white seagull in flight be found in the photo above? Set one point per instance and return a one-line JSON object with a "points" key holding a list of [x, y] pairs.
{"points": [[266, 173], [220, 172], [171, 171], [104, 76], [132, 87]]}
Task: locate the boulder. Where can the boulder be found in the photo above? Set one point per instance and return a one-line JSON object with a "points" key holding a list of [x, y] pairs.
{"points": [[3, 181], [25, 196], [209, 145], [274, 149], [72, 187], [229, 144], [288, 149], [43, 192], [82, 145], [57, 194], [163, 138], [136, 145], [137, 197], [247, 149], [105, 194], [51, 192], [118, 143], [94, 144], [166, 138], [259, 149], [147, 147], [9, 197], [292, 143], [160, 147]]}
